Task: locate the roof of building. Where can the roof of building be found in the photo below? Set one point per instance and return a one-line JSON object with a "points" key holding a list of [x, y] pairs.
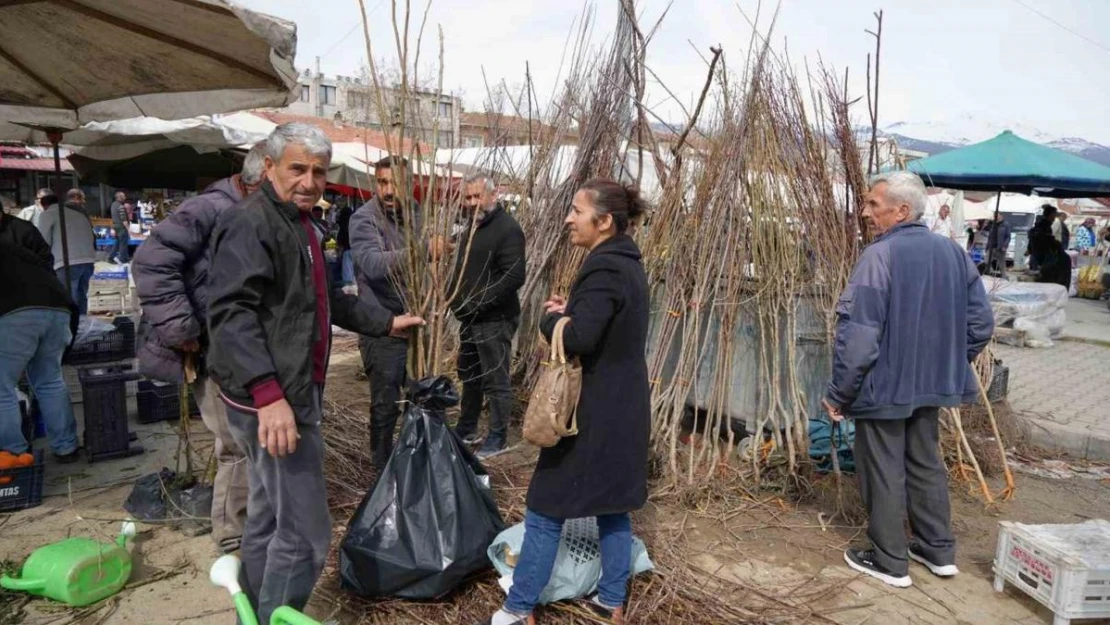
{"points": [[340, 132], [33, 164], [506, 123]]}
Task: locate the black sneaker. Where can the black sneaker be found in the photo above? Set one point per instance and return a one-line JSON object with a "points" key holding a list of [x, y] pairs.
{"points": [[493, 446], [940, 570], [863, 560], [69, 458]]}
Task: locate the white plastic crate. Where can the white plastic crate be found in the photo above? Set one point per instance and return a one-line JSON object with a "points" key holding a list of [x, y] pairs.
{"points": [[1064, 567]]}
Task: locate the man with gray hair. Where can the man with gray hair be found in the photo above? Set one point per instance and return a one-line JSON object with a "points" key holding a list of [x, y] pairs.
{"points": [[270, 312], [171, 271], [489, 270], [910, 322], [34, 211]]}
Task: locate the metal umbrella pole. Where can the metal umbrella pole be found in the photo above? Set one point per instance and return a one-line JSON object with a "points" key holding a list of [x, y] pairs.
{"points": [[55, 137]]}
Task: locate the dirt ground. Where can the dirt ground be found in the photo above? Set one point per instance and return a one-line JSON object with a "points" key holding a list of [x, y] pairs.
{"points": [[773, 546]]}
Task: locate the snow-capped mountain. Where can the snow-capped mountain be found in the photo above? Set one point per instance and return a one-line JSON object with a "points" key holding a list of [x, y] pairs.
{"points": [[934, 137]]}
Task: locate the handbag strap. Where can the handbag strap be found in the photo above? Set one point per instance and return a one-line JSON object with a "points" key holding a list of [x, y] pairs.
{"points": [[558, 351]]}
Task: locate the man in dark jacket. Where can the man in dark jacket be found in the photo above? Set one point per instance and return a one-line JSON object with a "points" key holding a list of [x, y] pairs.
{"points": [[381, 232], [120, 224], [270, 311], [37, 322], [171, 270], [24, 234], [913, 317], [489, 271]]}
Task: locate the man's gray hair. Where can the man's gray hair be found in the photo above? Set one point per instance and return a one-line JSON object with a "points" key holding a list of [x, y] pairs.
{"points": [[310, 137], [904, 187], [254, 165], [486, 181], [74, 194]]}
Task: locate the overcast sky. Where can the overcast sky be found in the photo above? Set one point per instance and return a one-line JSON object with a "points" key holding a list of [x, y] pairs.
{"points": [[997, 60]]}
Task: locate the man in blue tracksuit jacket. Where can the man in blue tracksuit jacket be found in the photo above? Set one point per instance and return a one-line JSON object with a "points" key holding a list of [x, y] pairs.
{"points": [[913, 317]]}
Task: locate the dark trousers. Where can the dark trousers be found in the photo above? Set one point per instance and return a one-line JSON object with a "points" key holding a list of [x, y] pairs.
{"points": [[899, 466], [288, 529], [485, 351], [384, 360], [120, 250]]}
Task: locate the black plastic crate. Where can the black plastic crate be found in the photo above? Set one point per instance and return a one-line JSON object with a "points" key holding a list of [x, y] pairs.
{"points": [[23, 487], [161, 401], [119, 344], [1000, 383], [106, 432]]}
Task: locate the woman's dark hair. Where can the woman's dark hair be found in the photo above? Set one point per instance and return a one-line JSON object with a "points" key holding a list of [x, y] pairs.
{"points": [[623, 202]]}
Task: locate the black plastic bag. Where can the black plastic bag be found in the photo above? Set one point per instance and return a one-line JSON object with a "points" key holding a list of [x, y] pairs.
{"points": [[426, 524], [147, 501]]}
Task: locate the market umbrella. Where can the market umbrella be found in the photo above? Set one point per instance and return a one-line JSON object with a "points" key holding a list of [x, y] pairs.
{"points": [[64, 63], [180, 167], [1010, 163]]}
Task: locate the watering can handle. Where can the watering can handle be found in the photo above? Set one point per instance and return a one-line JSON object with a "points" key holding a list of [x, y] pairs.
{"points": [[26, 585], [243, 609], [288, 616]]}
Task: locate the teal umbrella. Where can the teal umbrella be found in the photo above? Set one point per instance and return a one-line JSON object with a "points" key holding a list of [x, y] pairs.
{"points": [[1010, 163]]}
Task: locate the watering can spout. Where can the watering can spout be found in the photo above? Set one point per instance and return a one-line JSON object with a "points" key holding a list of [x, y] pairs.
{"points": [[127, 531], [25, 585]]}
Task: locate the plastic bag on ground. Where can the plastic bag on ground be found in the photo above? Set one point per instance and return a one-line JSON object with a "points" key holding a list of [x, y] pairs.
{"points": [[147, 501], [577, 564], [426, 524]]}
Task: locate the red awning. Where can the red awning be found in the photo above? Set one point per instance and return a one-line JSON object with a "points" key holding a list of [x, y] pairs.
{"points": [[33, 164]]}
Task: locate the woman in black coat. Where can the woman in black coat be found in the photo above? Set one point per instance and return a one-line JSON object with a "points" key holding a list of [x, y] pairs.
{"points": [[602, 471]]}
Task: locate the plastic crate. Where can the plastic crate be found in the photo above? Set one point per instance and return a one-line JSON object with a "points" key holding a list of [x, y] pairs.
{"points": [[106, 433], [161, 401], [1064, 567], [24, 490], [118, 344]]}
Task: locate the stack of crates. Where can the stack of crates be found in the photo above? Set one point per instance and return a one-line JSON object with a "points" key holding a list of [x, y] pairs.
{"points": [[115, 348]]}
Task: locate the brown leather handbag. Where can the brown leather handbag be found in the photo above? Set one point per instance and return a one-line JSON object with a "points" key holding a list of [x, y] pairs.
{"points": [[552, 412]]}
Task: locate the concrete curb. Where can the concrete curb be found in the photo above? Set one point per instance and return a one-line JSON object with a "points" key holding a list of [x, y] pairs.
{"points": [[1083, 339], [1076, 441]]}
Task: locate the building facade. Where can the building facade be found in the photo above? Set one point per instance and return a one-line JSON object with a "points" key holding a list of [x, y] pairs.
{"points": [[479, 130], [353, 101]]}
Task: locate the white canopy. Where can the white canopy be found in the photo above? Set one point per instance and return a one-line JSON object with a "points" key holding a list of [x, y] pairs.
{"points": [[129, 138], [65, 64], [1010, 203]]}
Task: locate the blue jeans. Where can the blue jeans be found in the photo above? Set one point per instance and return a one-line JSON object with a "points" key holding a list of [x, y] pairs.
{"points": [[79, 276], [34, 339], [541, 545]]}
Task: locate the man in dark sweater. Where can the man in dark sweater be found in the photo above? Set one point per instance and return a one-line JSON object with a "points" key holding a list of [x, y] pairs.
{"points": [[488, 273]]}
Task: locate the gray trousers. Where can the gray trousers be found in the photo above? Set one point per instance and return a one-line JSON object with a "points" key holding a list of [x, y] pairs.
{"points": [[485, 353], [288, 530], [384, 359], [899, 467], [229, 490]]}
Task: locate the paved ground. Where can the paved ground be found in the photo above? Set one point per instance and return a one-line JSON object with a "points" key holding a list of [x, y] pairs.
{"points": [[1063, 392]]}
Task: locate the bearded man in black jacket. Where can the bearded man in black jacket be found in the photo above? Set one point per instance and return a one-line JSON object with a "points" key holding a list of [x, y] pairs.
{"points": [[489, 271]]}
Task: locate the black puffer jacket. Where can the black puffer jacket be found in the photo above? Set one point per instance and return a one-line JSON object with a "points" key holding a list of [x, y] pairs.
{"points": [[262, 303], [171, 270]]}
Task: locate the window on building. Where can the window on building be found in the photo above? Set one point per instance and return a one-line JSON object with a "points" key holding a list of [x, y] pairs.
{"points": [[445, 109], [306, 93], [327, 95], [472, 142]]}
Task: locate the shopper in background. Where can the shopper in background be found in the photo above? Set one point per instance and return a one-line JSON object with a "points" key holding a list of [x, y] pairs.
{"points": [[121, 221], [34, 211], [81, 242]]}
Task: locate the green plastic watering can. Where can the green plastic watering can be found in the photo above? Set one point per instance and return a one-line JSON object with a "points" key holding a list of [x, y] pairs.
{"points": [[76, 571], [225, 573]]}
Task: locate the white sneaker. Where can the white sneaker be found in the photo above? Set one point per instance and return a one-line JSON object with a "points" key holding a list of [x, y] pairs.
{"points": [[945, 570]]}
